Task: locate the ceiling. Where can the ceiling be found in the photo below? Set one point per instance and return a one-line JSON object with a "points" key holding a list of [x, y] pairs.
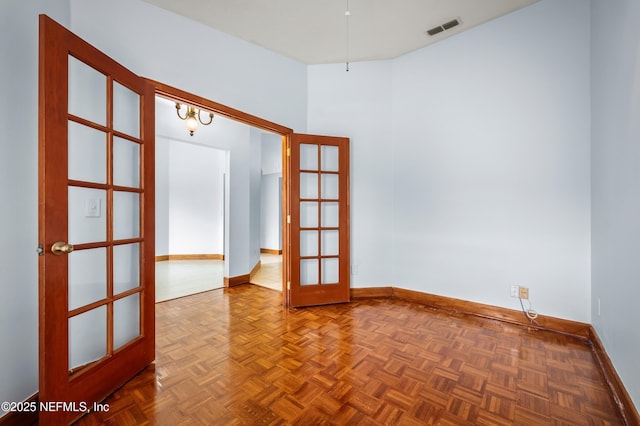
{"points": [[315, 31]]}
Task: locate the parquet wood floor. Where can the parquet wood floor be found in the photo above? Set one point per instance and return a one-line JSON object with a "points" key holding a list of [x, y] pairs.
{"points": [[236, 357]]}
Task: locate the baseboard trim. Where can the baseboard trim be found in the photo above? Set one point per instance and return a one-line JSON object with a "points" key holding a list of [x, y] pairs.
{"points": [[372, 293], [575, 328], [21, 418], [617, 390], [189, 257], [255, 270], [236, 281], [582, 331], [270, 251]]}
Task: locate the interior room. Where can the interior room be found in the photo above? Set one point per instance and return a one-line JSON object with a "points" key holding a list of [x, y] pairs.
{"points": [[504, 154]]}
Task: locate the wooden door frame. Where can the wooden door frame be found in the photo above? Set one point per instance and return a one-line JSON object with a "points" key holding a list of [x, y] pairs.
{"points": [[179, 95]]}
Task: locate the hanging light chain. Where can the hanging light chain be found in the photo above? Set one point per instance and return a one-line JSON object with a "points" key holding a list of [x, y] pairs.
{"points": [[347, 14]]}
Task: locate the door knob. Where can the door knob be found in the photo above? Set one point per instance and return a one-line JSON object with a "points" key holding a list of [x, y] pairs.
{"points": [[60, 247]]}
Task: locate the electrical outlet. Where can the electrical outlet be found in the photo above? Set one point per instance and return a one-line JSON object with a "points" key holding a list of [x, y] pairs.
{"points": [[523, 292], [515, 289]]}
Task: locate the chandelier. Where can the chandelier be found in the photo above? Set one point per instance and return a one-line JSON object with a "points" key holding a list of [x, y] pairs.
{"points": [[190, 117]]}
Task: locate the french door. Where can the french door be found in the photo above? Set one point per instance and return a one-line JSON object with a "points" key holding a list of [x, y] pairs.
{"points": [[319, 228], [96, 227]]}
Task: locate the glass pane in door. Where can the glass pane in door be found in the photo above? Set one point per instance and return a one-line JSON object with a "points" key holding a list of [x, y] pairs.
{"points": [[126, 163], [126, 215], [309, 272], [87, 92], [87, 277], [126, 110], [308, 243], [329, 158], [87, 337], [309, 185], [309, 214], [330, 268], [329, 187], [308, 157], [329, 243], [329, 215], [126, 320], [87, 217], [126, 267], [87, 153]]}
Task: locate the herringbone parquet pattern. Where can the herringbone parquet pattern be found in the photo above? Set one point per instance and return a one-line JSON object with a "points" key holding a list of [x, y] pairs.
{"points": [[237, 357]]}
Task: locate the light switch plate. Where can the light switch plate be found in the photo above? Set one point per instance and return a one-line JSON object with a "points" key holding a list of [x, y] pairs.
{"points": [[92, 207]]}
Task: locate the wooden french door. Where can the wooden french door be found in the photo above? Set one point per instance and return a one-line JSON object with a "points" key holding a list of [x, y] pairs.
{"points": [[319, 228], [96, 229]]}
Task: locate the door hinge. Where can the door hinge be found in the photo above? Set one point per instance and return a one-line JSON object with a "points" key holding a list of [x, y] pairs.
{"points": [[289, 218], [288, 152], [288, 285], [40, 250]]}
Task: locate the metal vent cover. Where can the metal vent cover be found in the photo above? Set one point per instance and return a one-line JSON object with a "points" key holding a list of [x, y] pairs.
{"points": [[443, 27]]}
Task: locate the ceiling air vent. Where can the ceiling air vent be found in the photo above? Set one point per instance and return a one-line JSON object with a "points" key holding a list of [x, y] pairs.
{"points": [[435, 30], [446, 26]]}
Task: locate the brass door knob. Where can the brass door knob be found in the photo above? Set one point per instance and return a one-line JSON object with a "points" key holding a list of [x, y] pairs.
{"points": [[60, 247]]}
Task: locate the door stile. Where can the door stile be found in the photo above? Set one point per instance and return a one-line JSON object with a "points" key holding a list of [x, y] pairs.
{"points": [[51, 185], [147, 218]]}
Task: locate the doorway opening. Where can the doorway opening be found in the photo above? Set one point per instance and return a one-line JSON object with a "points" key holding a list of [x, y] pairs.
{"points": [[218, 203]]}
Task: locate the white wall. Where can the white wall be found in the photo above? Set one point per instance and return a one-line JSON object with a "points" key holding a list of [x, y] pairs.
{"points": [[171, 49], [255, 174], [357, 104], [491, 161], [238, 238], [615, 62], [271, 212], [162, 195], [195, 214], [271, 161], [271, 193], [471, 161], [19, 193]]}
